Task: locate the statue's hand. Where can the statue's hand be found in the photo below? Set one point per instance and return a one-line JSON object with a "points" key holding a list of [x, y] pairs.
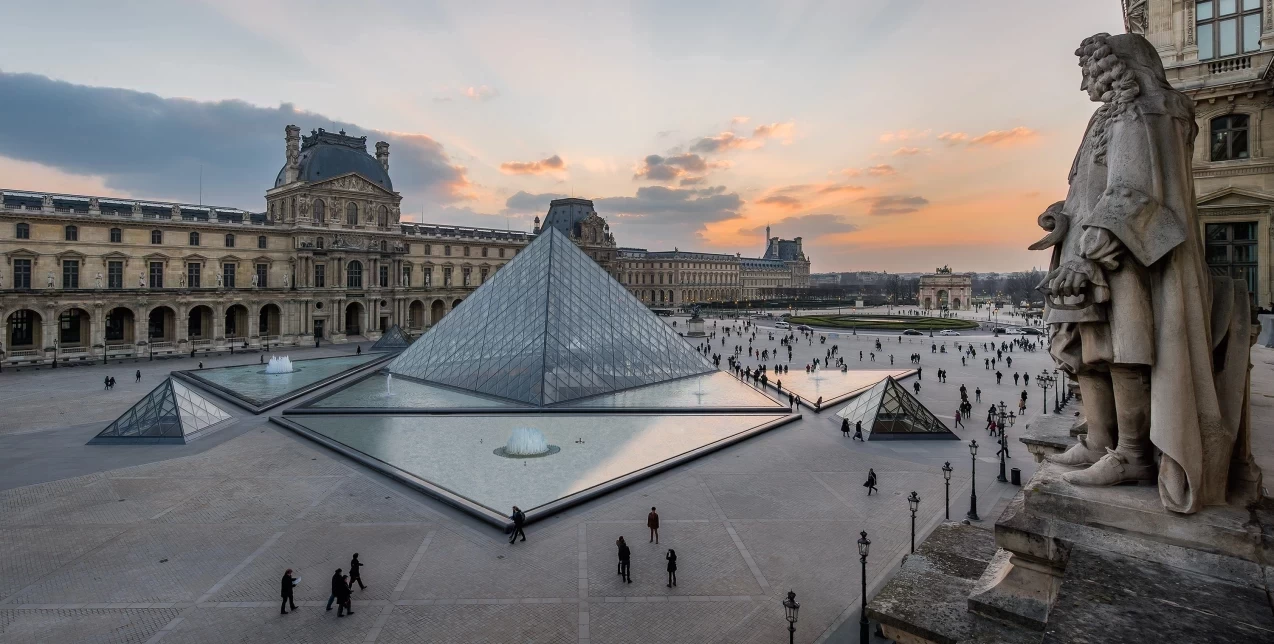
{"points": [[1071, 278], [1101, 246]]}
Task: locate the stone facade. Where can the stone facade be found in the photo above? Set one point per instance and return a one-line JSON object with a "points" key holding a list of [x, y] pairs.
{"points": [[1234, 177], [947, 290], [672, 278], [88, 277], [577, 219]]}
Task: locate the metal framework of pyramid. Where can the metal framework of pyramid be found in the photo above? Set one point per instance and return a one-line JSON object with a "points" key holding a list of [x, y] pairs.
{"points": [[549, 327], [170, 413], [888, 411], [393, 340]]}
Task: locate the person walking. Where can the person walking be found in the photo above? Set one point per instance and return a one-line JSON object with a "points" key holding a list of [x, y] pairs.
{"points": [[106, 382], [619, 563], [518, 518], [625, 560], [858, 431], [977, 394], [844, 427], [671, 557], [354, 574], [359, 351], [286, 590], [343, 602], [139, 376], [958, 423], [336, 584], [871, 482], [652, 522], [998, 376], [916, 386]]}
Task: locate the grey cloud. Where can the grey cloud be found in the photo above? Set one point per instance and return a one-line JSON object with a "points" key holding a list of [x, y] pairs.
{"points": [[660, 168], [154, 147], [810, 227], [895, 204], [524, 201]]}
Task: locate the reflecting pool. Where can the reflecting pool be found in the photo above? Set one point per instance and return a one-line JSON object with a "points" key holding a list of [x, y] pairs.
{"points": [[251, 382]]}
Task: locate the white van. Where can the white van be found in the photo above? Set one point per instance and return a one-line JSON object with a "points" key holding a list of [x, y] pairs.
{"points": [[782, 325]]}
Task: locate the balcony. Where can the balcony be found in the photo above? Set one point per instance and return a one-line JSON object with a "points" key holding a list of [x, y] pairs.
{"points": [[1228, 65]]}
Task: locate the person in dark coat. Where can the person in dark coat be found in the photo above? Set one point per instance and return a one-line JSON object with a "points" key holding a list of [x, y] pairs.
{"points": [[871, 482], [652, 522], [519, 518], [106, 382], [354, 574], [336, 583], [139, 376], [625, 556], [343, 598], [285, 591], [858, 431], [844, 427], [672, 567]]}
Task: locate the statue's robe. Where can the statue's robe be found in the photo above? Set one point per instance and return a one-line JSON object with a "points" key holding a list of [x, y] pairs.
{"points": [[1160, 312]]}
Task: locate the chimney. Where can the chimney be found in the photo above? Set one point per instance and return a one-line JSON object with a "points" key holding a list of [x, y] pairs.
{"points": [[799, 252], [293, 150], [382, 154]]}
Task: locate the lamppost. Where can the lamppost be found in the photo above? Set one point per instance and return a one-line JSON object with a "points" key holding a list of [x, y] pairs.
{"points": [[1044, 382], [973, 489], [864, 544], [1002, 478], [946, 475], [1057, 397], [914, 502], [790, 609]]}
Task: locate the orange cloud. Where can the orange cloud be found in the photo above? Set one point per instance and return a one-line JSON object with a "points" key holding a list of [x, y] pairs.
{"points": [[730, 141], [739, 120], [903, 135], [880, 170], [543, 166], [908, 152], [783, 201], [480, 93], [1004, 137], [953, 138]]}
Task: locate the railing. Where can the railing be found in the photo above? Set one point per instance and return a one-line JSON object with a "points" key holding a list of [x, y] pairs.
{"points": [[160, 345], [66, 351], [24, 353], [1230, 65], [200, 343]]}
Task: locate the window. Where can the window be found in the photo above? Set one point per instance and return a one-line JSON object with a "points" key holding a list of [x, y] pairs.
{"points": [[117, 235], [351, 214], [194, 239], [484, 251], [271, 212], [1229, 137], [263, 273], [501, 253], [384, 246], [70, 273], [384, 276], [446, 277], [466, 275], [1231, 251], [1228, 27], [354, 274], [72, 233], [229, 241], [21, 329], [320, 275], [24, 231], [482, 277], [320, 211], [466, 251], [382, 217], [115, 274], [21, 273], [227, 275], [156, 237], [446, 250], [193, 274], [407, 248], [319, 243], [429, 249], [157, 275], [261, 241], [292, 209]]}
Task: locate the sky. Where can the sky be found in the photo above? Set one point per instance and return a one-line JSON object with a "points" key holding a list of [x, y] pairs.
{"points": [[895, 136]]}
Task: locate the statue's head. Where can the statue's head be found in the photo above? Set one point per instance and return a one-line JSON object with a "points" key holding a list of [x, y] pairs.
{"points": [[1118, 68]]}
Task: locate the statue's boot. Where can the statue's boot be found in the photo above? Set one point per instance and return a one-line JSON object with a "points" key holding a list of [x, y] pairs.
{"points": [[1078, 454], [1114, 468]]}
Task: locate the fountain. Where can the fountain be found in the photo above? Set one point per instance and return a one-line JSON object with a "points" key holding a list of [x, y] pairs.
{"points": [[526, 442], [279, 364], [389, 385]]}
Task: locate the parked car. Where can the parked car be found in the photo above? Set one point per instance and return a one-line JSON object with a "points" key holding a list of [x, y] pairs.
{"points": [[802, 327], [782, 325], [949, 332], [1014, 331], [998, 330], [1031, 331], [912, 332]]}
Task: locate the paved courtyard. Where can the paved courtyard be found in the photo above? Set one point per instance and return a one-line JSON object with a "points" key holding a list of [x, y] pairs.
{"points": [[188, 543]]}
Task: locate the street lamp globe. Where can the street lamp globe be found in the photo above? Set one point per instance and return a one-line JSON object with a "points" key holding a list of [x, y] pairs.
{"points": [[973, 448], [791, 607], [1003, 407], [913, 501], [864, 544], [946, 470]]}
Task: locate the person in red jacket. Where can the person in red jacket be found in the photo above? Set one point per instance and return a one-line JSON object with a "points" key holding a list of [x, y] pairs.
{"points": [[652, 522]]}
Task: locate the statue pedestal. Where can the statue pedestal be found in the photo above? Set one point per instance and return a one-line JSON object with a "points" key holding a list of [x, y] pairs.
{"points": [[694, 327]]}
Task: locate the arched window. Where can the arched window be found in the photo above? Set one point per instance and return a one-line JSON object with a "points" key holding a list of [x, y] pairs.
{"points": [[354, 274], [351, 214], [320, 210], [24, 231], [292, 208], [384, 246], [156, 236], [1229, 137], [229, 241], [319, 243], [72, 233], [271, 212], [117, 236], [194, 239], [382, 217], [261, 241]]}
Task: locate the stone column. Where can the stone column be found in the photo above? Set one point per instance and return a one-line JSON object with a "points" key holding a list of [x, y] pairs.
{"points": [[218, 322], [98, 329], [183, 326]]}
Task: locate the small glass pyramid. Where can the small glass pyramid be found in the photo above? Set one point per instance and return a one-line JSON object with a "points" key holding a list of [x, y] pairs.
{"points": [[549, 327], [170, 413], [393, 340], [887, 411]]}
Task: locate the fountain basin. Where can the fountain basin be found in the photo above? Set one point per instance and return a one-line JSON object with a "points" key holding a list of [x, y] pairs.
{"points": [[526, 442], [279, 364]]}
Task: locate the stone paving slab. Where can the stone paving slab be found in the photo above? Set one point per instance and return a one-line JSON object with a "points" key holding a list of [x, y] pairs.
{"points": [[253, 501], [481, 624], [670, 622], [455, 566], [265, 624], [29, 553], [84, 625], [708, 561]]}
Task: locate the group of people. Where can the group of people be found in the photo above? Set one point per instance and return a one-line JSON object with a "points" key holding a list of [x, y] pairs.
{"points": [[342, 589], [109, 381]]}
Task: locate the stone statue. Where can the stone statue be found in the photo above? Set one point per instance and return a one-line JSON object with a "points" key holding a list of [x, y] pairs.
{"points": [[181, 280], [141, 279], [218, 280], [1159, 348], [50, 279], [287, 281], [98, 280], [254, 280]]}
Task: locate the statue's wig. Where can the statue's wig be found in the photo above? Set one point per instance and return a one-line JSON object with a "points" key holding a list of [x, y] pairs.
{"points": [[1116, 82]]}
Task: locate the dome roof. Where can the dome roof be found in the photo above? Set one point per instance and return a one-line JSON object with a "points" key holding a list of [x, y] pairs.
{"points": [[325, 155]]}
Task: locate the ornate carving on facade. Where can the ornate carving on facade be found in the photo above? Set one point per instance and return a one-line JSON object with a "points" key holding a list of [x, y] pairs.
{"points": [[1135, 16], [1189, 22]]}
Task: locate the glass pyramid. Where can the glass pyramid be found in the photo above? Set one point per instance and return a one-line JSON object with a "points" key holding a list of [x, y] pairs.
{"points": [[170, 413], [887, 411], [549, 327], [393, 340]]}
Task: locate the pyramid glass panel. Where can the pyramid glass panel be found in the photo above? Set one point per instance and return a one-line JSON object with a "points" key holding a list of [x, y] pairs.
{"points": [[171, 412], [550, 327], [393, 340], [889, 411]]}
